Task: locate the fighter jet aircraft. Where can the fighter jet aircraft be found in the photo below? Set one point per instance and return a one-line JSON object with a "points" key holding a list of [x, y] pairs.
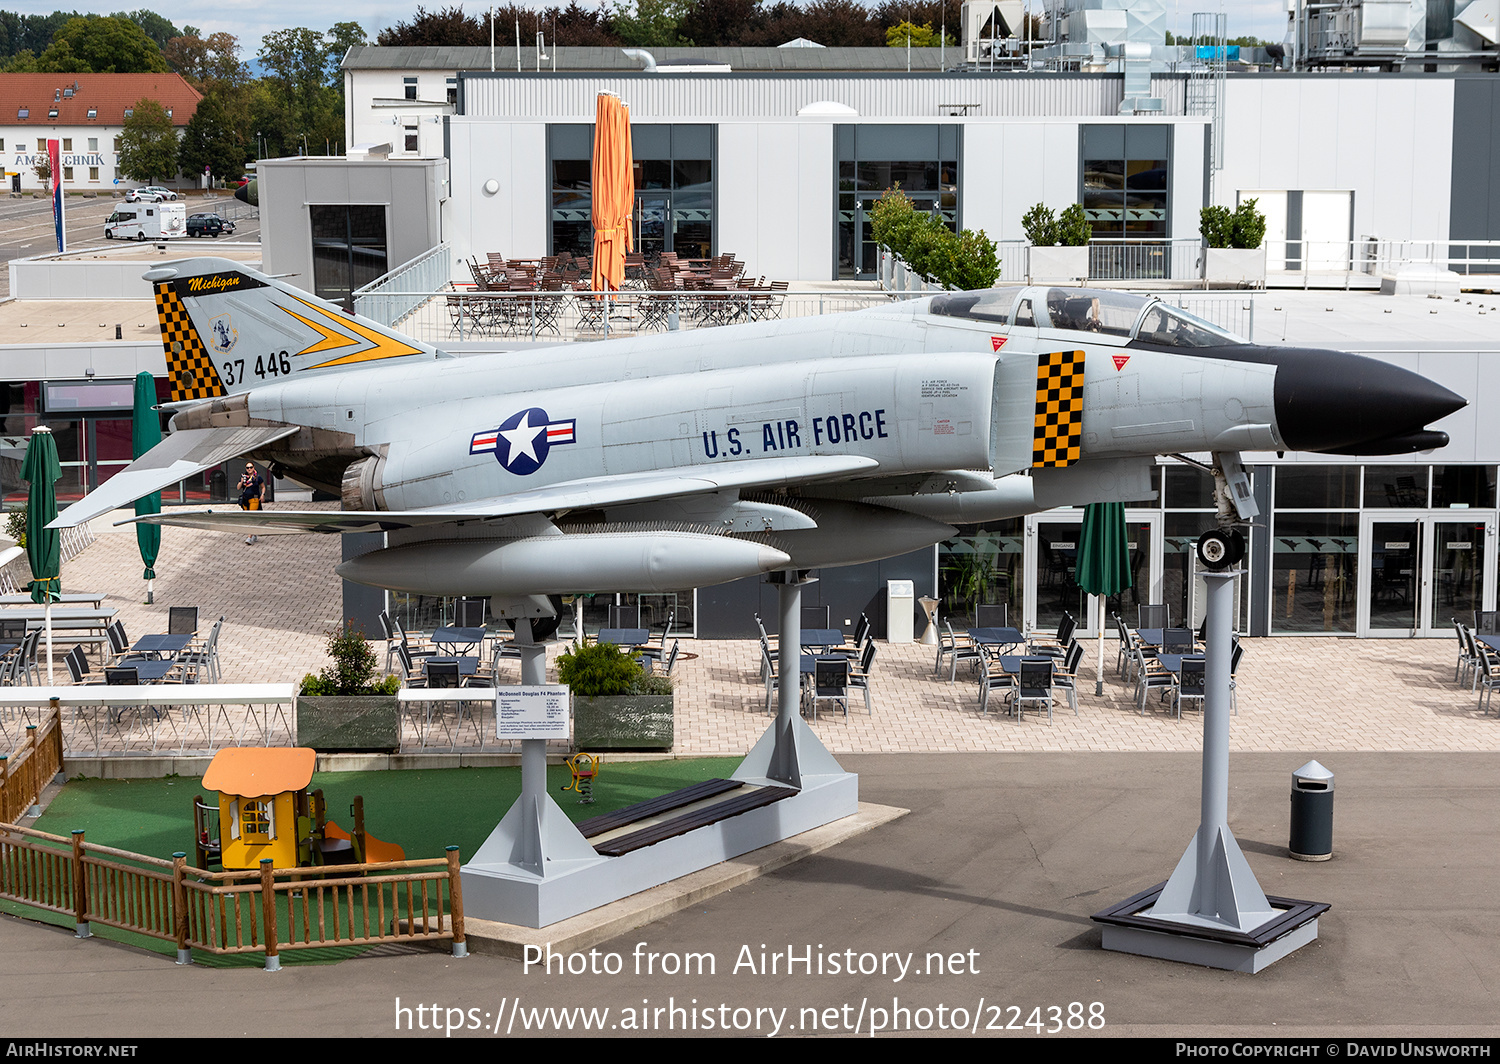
{"points": [[672, 461]]}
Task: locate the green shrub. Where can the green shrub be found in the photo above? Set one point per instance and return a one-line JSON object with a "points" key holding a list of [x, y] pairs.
{"points": [[1249, 225], [15, 527], [1243, 227], [964, 260], [1041, 226], [652, 683], [598, 669], [1073, 229], [353, 669]]}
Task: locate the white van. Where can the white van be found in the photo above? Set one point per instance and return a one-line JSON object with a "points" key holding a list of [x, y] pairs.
{"points": [[147, 221]]}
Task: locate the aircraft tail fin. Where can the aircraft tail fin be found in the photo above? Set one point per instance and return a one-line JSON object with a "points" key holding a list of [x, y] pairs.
{"points": [[228, 329]]}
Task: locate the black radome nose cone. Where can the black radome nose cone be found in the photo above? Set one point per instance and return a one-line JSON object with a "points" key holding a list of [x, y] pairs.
{"points": [[1335, 402]]}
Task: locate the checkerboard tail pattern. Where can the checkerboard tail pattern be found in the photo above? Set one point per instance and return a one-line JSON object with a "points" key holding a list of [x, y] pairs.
{"points": [[191, 371], [1058, 439]]}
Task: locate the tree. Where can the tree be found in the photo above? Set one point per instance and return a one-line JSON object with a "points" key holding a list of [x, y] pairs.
{"points": [[341, 37], [206, 62], [104, 45], [148, 143], [649, 23], [924, 36], [723, 23], [153, 25], [448, 27], [211, 142]]}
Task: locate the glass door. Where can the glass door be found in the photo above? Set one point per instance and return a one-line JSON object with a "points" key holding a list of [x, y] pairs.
{"points": [[653, 235], [1390, 566], [1052, 571], [1419, 571]]}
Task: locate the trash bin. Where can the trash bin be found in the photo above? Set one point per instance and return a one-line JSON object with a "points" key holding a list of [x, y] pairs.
{"points": [[901, 604], [1312, 813]]}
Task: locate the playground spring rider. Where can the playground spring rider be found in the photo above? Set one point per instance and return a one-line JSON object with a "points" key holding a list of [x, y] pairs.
{"points": [[584, 768]]}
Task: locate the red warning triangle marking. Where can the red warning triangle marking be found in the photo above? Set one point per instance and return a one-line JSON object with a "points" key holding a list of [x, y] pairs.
{"points": [[997, 342], [1120, 360]]}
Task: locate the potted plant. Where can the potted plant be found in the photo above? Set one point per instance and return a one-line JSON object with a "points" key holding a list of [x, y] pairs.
{"points": [[1233, 251], [923, 242], [617, 705], [344, 707], [1059, 245]]}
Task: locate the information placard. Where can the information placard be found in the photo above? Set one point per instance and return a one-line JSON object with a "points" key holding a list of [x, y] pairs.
{"points": [[538, 711]]}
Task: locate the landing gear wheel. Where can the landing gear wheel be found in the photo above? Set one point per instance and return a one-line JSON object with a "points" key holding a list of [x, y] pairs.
{"points": [[544, 628], [1220, 548]]}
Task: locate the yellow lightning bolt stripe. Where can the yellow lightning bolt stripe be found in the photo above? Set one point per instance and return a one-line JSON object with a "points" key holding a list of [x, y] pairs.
{"points": [[385, 346], [331, 340]]}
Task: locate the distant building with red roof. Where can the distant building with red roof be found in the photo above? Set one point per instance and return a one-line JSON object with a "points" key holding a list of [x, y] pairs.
{"points": [[87, 113]]}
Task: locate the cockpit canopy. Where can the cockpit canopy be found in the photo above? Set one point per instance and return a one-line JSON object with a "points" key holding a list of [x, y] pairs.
{"points": [[1109, 313]]}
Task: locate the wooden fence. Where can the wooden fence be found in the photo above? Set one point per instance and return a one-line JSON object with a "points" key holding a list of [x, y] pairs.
{"points": [[263, 912], [27, 770]]}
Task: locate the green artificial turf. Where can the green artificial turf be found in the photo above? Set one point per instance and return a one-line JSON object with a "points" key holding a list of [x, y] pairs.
{"points": [[422, 810]]}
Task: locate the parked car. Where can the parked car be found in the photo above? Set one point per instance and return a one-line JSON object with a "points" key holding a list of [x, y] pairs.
{"points": [[208, 225], [149, 194]]}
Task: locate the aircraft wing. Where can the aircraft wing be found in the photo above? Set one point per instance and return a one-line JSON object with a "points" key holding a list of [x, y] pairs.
{"points": [[176, 458], [568, 495]]}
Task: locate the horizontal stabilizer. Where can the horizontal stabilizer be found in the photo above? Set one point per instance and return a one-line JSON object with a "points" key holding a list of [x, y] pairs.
{"points": [[175, 458]]}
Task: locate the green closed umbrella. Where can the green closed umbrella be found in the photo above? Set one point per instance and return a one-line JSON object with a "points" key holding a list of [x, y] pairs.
{"points": [[1103, 561], [43, 544], [145, 433]]}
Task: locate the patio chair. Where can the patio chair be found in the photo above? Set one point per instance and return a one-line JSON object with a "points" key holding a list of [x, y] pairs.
{"points": [[650, 656], [1487, 622], [1486, 680], [182, 620], [204, 657], [1055, 646], [859, 676], [816, 617], [469, 612], [1066, 675], [1191, 685], [1149, 676], [992, 616], [830, 684], [992, 683], [768, 674], [1466, 660], [1033, 686], [1177, 641], [963, 650], [1234, 668], [1157, 616]]}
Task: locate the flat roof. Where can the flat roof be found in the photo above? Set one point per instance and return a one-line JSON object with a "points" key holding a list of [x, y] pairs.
{"points": [[77, 321]]}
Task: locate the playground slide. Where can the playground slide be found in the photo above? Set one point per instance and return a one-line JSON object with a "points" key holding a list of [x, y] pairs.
{"points": [[376, 850]]}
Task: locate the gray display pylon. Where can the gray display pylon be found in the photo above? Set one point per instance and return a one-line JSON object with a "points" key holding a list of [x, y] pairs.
{"points": [[1212, 885], [535, 835]]}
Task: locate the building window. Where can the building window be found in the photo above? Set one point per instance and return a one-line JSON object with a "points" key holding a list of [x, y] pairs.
{"points": [[129, 111], [93, 144], [20, 145], [2, 143], [349, 249], [93, 112], [67, 144], [255, 819], [116, 144], [93, 173], [409, 85], [674, 183], [872, 159], [1125, 195], [52, 112], [67, 173], [23, 112], [452, 92], [411, 137]]}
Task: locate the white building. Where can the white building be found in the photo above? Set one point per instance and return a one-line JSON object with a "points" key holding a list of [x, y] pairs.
{"points": [[87, 113]]}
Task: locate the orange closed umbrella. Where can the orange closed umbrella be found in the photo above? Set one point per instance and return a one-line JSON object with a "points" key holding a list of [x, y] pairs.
{"points": [[614, 191]]}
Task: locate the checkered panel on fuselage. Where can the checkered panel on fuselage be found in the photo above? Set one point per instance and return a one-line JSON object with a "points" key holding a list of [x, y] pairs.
{"points": [[1058, 438]]}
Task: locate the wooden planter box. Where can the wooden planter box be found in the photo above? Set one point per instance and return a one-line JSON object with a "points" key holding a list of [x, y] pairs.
{"points": [[1057, 264], [1236, 266], [623, 722], [354, 723]]}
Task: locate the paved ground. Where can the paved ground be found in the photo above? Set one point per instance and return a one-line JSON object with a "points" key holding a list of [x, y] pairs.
{"points": [[280, 599], [1017, 833]]}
